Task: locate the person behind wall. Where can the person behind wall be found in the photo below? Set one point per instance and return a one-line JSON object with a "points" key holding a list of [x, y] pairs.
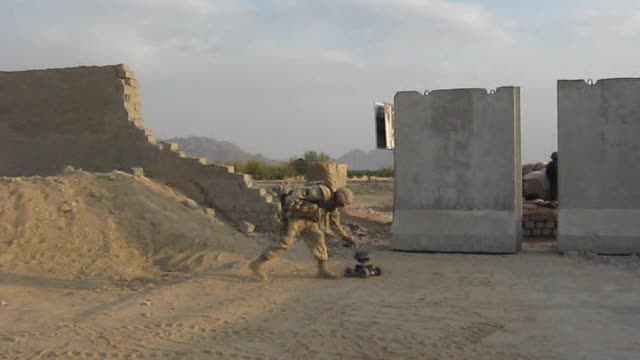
{"points": [[552, 175]]}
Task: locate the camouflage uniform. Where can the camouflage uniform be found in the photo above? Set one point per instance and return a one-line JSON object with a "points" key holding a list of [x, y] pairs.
{"points": [[305, 209]]}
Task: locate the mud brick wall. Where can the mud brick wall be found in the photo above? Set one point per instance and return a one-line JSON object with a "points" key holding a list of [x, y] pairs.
{"points": [[539, 222], [90, 118]]}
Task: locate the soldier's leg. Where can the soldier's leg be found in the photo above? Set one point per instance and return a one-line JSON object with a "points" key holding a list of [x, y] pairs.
{"points": [[314, 238], [554, 192], [274, 249]]}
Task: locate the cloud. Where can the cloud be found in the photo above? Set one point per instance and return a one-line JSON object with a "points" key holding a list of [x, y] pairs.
{"points": [[457, 18], [304, 74], [355, 33], [605, 23]]}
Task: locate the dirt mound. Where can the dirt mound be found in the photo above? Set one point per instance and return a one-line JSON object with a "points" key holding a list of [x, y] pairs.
{"points": [[110, 226]]}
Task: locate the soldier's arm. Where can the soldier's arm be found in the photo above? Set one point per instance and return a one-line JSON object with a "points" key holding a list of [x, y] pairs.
{"points": [[326, 223], [307, 206], [334, 220]]}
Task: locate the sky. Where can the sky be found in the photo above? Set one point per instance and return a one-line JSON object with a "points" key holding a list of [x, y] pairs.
{"points": [[279, 77]]}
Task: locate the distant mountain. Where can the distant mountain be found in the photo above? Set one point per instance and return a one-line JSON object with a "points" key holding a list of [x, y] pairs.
{"points": [[362, 160], [216, 151]]}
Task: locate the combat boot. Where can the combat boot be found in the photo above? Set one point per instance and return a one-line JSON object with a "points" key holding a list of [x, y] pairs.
{"points": [[257, 266], [323, 270]]}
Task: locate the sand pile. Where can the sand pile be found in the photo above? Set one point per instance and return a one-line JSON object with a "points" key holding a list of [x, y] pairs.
{"points": [[110, 226]]}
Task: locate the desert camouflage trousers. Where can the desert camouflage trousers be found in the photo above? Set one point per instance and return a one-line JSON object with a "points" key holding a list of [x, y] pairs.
{"points": [[310, 232]]}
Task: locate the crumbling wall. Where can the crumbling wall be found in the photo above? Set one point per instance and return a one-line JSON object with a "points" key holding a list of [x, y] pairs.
{"points": [[90, 118], [599, 166], [457, 171]]}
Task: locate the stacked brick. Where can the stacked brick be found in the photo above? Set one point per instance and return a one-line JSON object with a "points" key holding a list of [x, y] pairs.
{"points": [[539, 222]]}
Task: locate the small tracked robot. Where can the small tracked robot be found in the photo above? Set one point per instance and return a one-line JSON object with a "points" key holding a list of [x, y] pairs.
{"points": [[363, 269]]}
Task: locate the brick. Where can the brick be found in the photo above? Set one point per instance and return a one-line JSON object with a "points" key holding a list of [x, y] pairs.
{"points": [[247, 227], [248, 180], [124, 72], [122, 67], [68, 169], [218, 169], [131, 82], [537, 217], [137, 171], [190, 203], [539, 225], [169, 146], [137, 122]]}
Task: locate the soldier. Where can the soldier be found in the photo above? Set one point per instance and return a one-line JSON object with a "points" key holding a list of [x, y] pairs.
{"points": [[552, 175], [304, 209]]}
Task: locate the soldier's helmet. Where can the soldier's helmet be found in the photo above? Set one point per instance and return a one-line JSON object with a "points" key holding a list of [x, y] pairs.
{"points": [[344, 196], [554, 155]]}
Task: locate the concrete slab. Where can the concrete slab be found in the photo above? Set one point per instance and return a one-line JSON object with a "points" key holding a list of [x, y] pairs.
{"points": [[599, 166], [458, 179]]}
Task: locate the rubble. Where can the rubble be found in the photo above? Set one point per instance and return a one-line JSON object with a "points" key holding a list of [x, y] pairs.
{"points": [[536, 186], [137, 171], [210, 212], [247, 227], [68, 170], [191, 204], [124, 229]]}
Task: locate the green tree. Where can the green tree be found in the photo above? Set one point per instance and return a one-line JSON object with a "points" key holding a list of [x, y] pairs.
{"points": [[299, 165], [258, 170], [238, 167], [282, 172], [385, 172], [261, 171], [314, 156]]}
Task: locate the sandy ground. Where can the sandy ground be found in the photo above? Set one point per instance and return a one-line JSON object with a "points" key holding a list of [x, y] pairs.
{"points": [[426, 306], [533, 305]]}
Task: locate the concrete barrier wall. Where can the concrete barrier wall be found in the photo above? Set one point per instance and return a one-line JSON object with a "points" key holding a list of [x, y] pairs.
{"points": [[90, 118], [458, 178], [599, 166]]}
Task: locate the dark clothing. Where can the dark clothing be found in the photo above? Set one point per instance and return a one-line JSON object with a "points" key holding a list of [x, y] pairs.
{"points": [[552, 175]]}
